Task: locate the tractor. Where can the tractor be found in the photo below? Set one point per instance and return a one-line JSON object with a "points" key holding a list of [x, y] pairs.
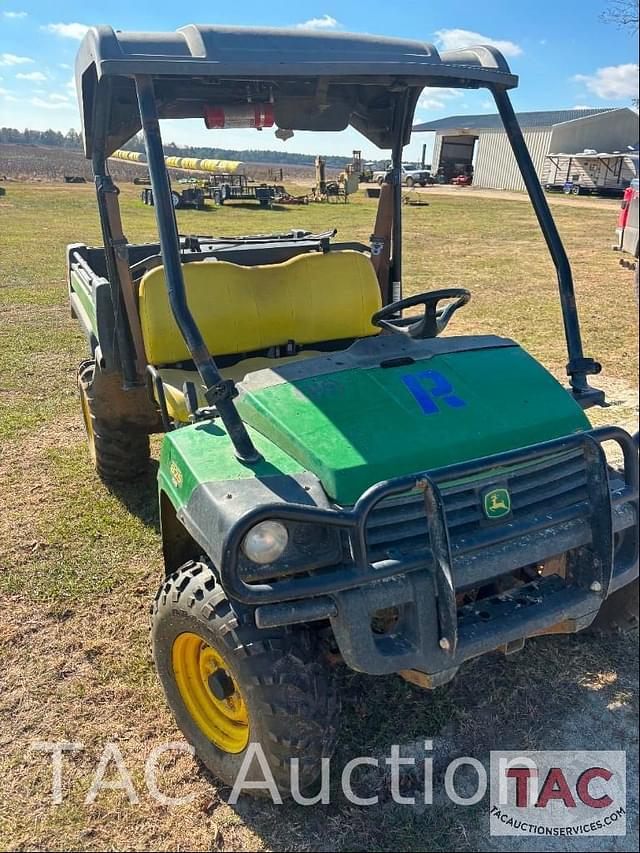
{"points": [[340, 482]]}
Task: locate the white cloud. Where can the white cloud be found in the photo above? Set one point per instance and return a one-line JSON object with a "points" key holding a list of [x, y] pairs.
{"points": [[14, 16], [50, 105], [430, 104], [12, 59], [488, 105], [455, 39], [56, 97], [435, 97], [64, 65], [326, 22], [581, 107], [34, 76], [3, 92], [615, 82], [70, 31]]}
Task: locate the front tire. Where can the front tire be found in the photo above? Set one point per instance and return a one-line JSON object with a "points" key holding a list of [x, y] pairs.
{"points": [[118, 454], [409, 182], [230, 684]]}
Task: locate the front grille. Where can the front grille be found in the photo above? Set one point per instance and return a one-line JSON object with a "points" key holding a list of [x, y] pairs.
{"points": [[398, 525]]}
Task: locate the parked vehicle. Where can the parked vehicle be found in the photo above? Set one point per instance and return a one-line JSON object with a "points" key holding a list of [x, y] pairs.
{"points": [[366, 175], [192, 196], [241, 190], [338, 481], [410, 176], [589, 173], [627, 230]]}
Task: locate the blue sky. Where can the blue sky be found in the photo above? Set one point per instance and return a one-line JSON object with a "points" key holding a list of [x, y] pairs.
{"points": [[564, 54]]}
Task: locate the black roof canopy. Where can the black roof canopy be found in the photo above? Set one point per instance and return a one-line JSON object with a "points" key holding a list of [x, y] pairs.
{"points": [[316, 81]]}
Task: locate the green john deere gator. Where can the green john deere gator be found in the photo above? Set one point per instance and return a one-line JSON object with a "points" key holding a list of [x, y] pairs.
{"points": [[338, 480]]}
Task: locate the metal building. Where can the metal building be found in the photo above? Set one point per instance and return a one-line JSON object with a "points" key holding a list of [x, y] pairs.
{"points": [[480, 141]]}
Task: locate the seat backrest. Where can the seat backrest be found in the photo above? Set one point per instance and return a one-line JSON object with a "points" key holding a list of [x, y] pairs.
{"points": [[308, 299]]}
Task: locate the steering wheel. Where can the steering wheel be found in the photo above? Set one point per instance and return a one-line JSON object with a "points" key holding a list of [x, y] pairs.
{"points": [[432, 322]]}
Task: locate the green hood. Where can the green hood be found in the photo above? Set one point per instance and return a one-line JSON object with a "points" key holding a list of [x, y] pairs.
{"points": [[355, 427]]}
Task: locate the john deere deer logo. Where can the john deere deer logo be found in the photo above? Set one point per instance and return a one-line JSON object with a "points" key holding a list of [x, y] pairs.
{"points": [[497, 503], [176, 475]]}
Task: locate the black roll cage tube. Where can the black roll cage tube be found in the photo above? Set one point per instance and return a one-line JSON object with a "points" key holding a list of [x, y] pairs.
{"points": [[220, 393], [395, 269], [104, 185], [578, 367]]}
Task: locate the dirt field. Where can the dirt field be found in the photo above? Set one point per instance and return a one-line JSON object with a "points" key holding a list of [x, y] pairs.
{"points": [[39, 163], [79, 563]]}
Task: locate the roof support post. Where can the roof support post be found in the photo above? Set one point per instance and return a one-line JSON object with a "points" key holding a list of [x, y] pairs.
{"points": [[218, 392], [107, 197], [578, 366], [396, 182]]}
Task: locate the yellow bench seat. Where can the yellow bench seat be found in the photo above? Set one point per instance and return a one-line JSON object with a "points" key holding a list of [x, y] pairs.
{"points": [[311, 298]]}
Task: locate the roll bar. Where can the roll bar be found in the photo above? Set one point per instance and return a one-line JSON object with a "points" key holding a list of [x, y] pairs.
{"points": [[218, 392], [395, 270], [578, 366]]}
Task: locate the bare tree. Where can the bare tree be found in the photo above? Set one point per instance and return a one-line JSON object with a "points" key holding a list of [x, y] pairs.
{"points": [[622, 13]]}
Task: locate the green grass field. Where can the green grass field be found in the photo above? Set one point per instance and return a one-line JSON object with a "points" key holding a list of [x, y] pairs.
{"points": [[79, 563]]}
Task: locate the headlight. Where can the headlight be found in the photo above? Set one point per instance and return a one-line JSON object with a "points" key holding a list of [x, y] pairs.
{"points": [[265, 542]]}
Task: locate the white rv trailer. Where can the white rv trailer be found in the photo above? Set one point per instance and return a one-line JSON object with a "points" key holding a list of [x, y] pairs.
{"points": [[590, 172]]}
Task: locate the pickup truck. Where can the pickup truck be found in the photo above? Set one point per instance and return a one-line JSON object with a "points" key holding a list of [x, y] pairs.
{"points": [[410, 176]]}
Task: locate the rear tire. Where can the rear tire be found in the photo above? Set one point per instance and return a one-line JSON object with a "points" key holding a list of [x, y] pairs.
{"points": [[619, 613], [117, 454], [280, 690]]}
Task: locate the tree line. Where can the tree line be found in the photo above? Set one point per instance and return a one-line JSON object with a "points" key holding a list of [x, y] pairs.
{"points": [[72, 139], [54, 138]]}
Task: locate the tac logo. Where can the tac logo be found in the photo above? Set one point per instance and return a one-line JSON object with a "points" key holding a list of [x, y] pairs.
{"points": [[558, 793], [496, 503]]}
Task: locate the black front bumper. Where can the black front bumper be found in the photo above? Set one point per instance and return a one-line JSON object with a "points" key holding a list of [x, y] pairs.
{"points": [[432, 634]]}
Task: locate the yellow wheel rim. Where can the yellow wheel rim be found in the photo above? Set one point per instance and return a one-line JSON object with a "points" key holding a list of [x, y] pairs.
{"points": [[199, 670], [88, 424]]}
